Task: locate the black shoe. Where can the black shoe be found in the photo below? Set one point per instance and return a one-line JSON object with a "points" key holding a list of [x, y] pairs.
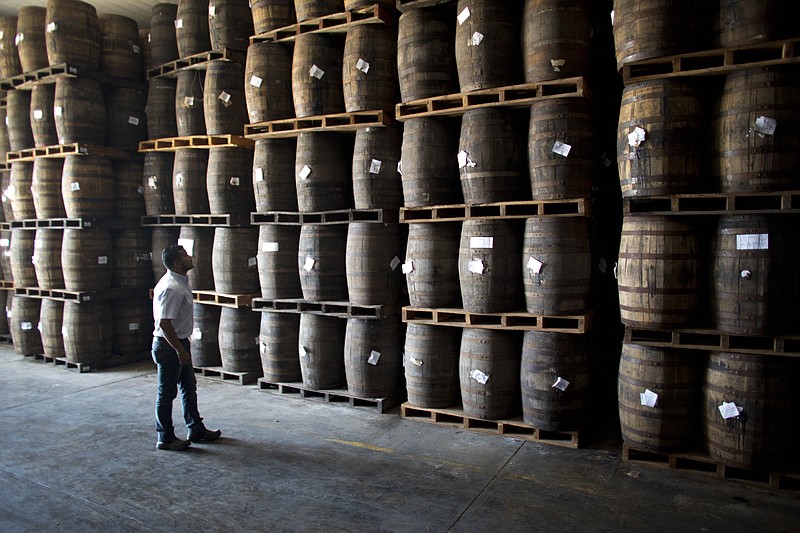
{"points": [[175, 444], [203, 435]]}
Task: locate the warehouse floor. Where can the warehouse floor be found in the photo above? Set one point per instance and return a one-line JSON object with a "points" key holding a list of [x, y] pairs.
{"points": [[77, 454]]}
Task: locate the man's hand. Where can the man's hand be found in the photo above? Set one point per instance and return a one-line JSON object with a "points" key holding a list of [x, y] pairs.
{"points": [[185, 358]]}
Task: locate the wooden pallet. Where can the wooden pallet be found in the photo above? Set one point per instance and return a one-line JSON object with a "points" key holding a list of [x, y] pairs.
{"points": [[199, 61], [5, 167], [72, 223], [335, 23], [504, 210], [50, 74], [341, 216], [223, 220], [332, 395], [715, 204], [112, 361], [712, 340], [406, 5], [337, 122], [170, 144], [336, 309], [510, 428], [223, 300], [519, 321], [6, 285], [75, 296], [216, 372], [63, 150], [523, 95], [5, 226], [6, 339], [702, 463]]}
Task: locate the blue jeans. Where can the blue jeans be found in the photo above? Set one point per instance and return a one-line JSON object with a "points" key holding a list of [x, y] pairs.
{"points": [[172, 375]]}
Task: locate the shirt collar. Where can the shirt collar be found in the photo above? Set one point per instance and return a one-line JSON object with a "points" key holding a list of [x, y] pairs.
{"points": [[180, 277]]}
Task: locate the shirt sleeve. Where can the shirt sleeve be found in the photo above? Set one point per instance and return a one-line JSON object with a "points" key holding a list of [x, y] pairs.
{"points": [[169, 303]]}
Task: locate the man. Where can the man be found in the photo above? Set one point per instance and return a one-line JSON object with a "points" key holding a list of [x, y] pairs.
{"points": [[174, 321]]}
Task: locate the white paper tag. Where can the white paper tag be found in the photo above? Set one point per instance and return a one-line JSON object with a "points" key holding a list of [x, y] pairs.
{"points": [[255, 81], [400, 167], [197, 334], [561, 384], [309, 264], [476, 39], [612, 17], [38, 243], [152, 182], [758, 241], [234, 182], [561, 148], [730, 410], [38, 114], [188, 101], [64, 331], [102, 259], [4, 243], [557, 64], [188, 245], [270, 247], [362, 65], [258, 174], [415, 361], [316, 72], [648, 398], [212, 11], [34, 259], [225, 97], [636, 137], [375, 167], [2, 34], [136, 49], [133, 326], [464, 160], [26, 326], [602, 265], [178, 179], [534, 265], [252, 262], [481, 242], [616, 265], [74, 186], [140, 190], [305, 172], [52, 27], [374, 357], [58, 110], [302, 350], [479, 376], [394, 262], [463, 16], [179, 24], [476, 266], [133, 120], [766, 125], [408, 267]]}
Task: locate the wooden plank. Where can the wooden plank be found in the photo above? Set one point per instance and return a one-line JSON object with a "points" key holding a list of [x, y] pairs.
{"points": [[77, 296], [334, 395], [496, 210], [326, 308], [63, 150], [199, 61], [221, 220], [519, 321], [709, 339], [218, 373], [334, 23], [235, 301], [50, 74], [170, 144], [113, 360], [340, 216], [336, 122], [780, 202]]}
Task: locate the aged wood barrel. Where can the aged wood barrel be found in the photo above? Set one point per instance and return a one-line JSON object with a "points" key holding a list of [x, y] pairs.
{"points": [[428, 168], [755, 260], [230, 189], [556, 265], [309, 9], [132, 262], [432, 257], [489, 266], [9, 58], [273, 175], [120, 47], [189, 115], [230, 24], [667, 161], [191, 33], [128, 188], [425, 55], [161, 119], [158, 195], [490, 158], [18, 120], [742, 22], [5, 255], [234, 262], [19, 190], [369, 71], [431, 365], [745, 156], [46, 188], [47, 258], [51, 320], [162, 237], [238, 340], [487, 53], [80, 111], [659, 273], [205, 336], [546, 357], [224, 105], [372, 263], [133, 327], [198, 242], [189, 191], [268, 82], [556, 39], [561, 149], [761, 436], [22, 270], [489, 373], [23, 323], [88, 331], [31, 46], [672, 424], [277, 261], [271, 14], [372, 357], [278, 338], [317, 75], [126, 120], [86, 258], [321, 262], [163, 39], [322, 172], [376, 158], [43, 121], [87, 187], [72, 34], [321, 350]]}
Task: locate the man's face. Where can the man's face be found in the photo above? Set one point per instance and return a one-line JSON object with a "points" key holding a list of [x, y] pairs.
{"points": [[185, 260]]}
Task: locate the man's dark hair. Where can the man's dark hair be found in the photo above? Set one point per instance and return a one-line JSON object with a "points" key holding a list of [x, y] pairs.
{"points": [[170, 254]]}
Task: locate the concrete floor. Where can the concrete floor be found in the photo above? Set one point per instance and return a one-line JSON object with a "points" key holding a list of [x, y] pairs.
{"points": [[77, 454]]}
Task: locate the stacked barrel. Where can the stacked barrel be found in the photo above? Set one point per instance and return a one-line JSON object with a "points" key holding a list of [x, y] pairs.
{"points": [[83, 258], [668, 397]]}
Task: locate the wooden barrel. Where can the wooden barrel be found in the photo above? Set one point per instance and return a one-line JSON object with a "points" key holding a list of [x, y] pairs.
{"points": [[273, 175], [51, 320], [369, 71], [672, 423], [278, 338], [425, 55], [147, 57], [128, 188], [322, 172], [22, 269], [23, 323], [31, 46], [87, 187], [163, 38], [9, 58], [745, 157], [4, 146], [321, 349], [667, 161], [754, 264], [268, 82], [5, 255], [487, 53], [490, 158], [557, 265], [489, 266], [742, 22], [429, 170], [761, 436], [86, 258], [19, 191], [133, 327], [317, 75], [556, 39], [132, 262], [205, 336], [160, 109], [47, 258], [372, 263], [659, 272], [546, 357], [189, 192], [238, 340], [431, 265], [72, 34], [224, 105], [162, 237], [189, 116], [158, 195], [191, 33], [43, 122], [489, 373], [431, 365], [18, 120], [309, 9], [88, 331], [120, 47], [198, 242], [376, 158], [46, 188], [277, 261], [80, 111], [271, 14], [126, 121], [228, 182], [230, 24], [321, 262], [372, 357], [561, 149], [234, 260]]}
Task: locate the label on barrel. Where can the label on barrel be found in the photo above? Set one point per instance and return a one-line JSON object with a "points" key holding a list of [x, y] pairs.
{"points": [[730, 410], [178, 25], [476, 266], [375, 167], [253, 261], [136, 49], [38, 243], [234, 182], [557, 64], [2, 34], [301, 350], [463, 16], [212, 11], [39, 326], [133, 120], [408, 267], [258, 173], [7, 121], [255, 81], [400, 167], [19, 38], [309, 264], [140, 190], [34, 259], [270, 247], [758, 241], [147, 256], [766, 125], [151, 181], [133, 326], [394, 262], [481, 242], [26, 326], [102, 259], [4, 243], [479, 376], [362, 65], [416, 361], [74, 186], [636, 137], [561, 148], [374, 357], [316, 72], [188, 101], [52, 27], [648, 398], [64, 331], [476, 39], [226, 98], [197, 334], [58, 110], [534, 265], [38, 114], [561, 384], [179, 179], [465, 160], [305, 172]]}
